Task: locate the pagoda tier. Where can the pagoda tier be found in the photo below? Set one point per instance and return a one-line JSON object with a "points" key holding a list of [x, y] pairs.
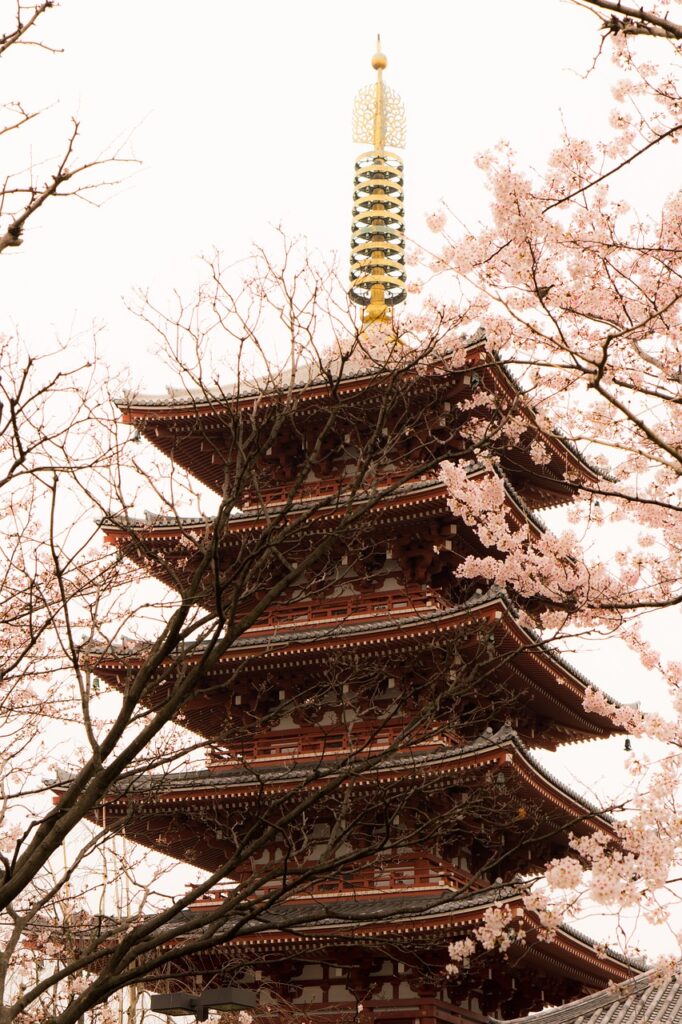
{"points": [[493, 812], [279, 688], [408, 539], [205, 431], [343, 963], [367, 788]]}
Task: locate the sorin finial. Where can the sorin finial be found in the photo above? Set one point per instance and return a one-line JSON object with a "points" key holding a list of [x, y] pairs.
{"points": [[377, 269], [379, 60]]}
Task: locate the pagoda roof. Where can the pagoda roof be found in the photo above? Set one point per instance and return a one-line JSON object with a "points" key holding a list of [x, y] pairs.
{"points": [[503, 749], [546, 672], [274, 639], [403, 507], [435, 918], [492, 600], [549, 677], [655, 997], [408, 494], [309, 384], [310, 375], [306, 375]]}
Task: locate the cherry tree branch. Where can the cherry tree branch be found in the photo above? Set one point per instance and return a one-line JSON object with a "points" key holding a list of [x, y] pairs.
{"points": [[633, 20], [613, 170]]}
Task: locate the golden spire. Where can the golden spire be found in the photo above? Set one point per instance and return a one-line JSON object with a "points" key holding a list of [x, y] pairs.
{"points": [[379, 63], [377, 267]]}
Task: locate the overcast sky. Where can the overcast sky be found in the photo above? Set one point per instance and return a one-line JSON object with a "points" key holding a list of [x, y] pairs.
{"points": [[240, 116]]}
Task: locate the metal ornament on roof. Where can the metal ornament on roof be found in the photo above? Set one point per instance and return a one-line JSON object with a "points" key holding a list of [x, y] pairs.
{"points": [[377, 269], [393, 125]]}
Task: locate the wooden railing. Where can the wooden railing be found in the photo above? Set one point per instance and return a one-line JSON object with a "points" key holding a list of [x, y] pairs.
{"points": [[331, 487], [312, 742], [354, 607], [426, 871]]}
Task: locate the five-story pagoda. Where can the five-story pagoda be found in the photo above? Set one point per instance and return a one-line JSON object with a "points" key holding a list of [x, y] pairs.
{"points": [[369, 795]]}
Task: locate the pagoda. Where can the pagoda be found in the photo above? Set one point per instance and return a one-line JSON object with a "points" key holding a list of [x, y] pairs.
{"points": [[371, 793]]}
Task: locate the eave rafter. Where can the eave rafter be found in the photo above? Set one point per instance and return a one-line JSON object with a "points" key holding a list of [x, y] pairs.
{"points": [[530, 665], [505, 755], [193, 428]]}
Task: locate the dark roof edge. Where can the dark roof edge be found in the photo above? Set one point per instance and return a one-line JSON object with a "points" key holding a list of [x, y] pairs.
{"points": [[619, 992], [492, 596], [505, 736]]}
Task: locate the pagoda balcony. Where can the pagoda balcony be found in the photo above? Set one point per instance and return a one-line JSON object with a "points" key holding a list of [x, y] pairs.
{"points": [[332, 487], [355, 607], [312, 742], [422, 872]]}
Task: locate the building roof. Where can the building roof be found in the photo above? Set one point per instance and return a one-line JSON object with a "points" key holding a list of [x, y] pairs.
{"points": [[279, 637], [313, 379], [306, 374], [244, 776], [312, 373], [431, 487], [652, 998], [433, 917], [558, 682], [330, 913]]}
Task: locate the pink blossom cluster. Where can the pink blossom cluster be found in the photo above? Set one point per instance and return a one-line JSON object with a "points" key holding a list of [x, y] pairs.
{"points": [[496, 932]]}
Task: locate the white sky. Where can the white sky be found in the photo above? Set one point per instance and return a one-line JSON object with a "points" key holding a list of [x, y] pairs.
{"points": [[240, 115]]}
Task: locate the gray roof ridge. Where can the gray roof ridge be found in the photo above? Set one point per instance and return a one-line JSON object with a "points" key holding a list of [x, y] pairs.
{"points": [[494, 594], [568, 791], [241, 774]]}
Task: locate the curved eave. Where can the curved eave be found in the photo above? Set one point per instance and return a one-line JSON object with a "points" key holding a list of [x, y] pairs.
{"points": [[567, 468], [565, 953], [153, 414], [508, 756], [143, 412], [561, 688]]}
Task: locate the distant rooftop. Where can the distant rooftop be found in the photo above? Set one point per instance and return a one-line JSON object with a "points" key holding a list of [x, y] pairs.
{"points": [[652, 998]]}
